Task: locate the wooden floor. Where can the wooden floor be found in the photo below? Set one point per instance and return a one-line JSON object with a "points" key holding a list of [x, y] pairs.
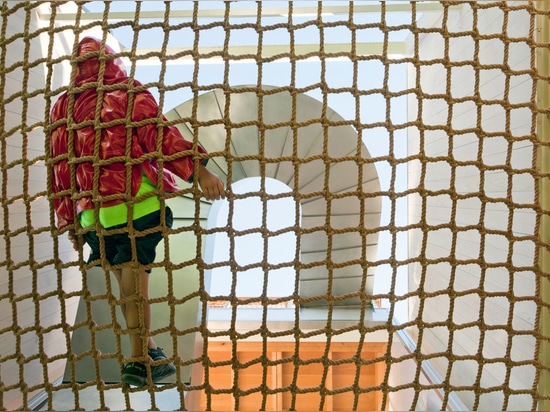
{"points": [[252, 380]]}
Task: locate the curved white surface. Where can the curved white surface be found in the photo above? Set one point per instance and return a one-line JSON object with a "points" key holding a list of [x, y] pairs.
{"points": [[316, 153]]}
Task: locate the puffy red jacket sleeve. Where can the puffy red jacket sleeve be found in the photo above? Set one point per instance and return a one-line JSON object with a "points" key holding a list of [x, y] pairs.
{"points": [[61, 182], [173, 143]]}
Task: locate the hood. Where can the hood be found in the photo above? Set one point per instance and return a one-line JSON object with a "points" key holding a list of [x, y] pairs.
{"points": [[88, 69]]}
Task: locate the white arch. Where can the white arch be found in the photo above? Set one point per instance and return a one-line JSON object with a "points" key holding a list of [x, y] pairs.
{"points": [[337, 209], [250, 248]]}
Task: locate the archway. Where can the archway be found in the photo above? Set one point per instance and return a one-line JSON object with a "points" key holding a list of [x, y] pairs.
{"points": [[291, 137], [263, 256]]}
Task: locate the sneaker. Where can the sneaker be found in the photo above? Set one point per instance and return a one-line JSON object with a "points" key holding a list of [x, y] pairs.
{"points": [[134, 373], [159, 372]]}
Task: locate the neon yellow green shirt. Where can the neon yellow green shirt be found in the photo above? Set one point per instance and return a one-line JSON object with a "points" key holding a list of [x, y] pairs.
{"points": [[118, 214]]}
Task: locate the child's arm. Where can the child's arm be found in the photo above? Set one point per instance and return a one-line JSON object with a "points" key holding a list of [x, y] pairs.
{"points": [[211, 184]]}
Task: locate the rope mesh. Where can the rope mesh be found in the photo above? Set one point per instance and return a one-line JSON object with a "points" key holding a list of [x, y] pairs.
{"points": [[448, 103]]}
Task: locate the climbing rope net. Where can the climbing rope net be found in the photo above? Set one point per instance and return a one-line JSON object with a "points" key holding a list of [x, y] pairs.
{"points": [[413, 139]]}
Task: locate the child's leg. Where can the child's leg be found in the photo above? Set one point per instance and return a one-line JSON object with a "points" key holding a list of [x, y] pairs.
{"points": [[133, 311], [133, 308], [147, 307]]}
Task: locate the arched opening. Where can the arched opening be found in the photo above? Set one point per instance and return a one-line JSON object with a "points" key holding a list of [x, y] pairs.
{"points": [[259, 258], [325, 164]]}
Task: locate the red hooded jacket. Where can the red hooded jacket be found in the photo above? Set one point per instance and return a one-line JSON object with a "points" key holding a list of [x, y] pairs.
{"points": [[115, 105]]}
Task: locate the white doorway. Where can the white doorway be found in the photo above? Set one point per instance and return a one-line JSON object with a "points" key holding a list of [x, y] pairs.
{"points": [[254, 260]]}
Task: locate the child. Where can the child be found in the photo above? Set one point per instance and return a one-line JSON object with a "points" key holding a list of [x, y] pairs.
{"points": [[73, 149]]}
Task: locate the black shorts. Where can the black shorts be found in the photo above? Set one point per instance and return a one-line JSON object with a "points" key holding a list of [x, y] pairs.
{"points": [[118, 247]]}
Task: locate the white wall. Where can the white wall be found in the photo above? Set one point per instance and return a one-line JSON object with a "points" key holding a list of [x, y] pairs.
{"points": [[464, 272]]}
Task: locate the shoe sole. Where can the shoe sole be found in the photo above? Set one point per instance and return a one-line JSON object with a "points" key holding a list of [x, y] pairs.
{"points": [[133, 380], [162, 372]]}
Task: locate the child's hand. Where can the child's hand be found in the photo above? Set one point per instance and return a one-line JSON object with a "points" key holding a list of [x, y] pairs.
{"points": [[73, 238], [211, 184]]}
